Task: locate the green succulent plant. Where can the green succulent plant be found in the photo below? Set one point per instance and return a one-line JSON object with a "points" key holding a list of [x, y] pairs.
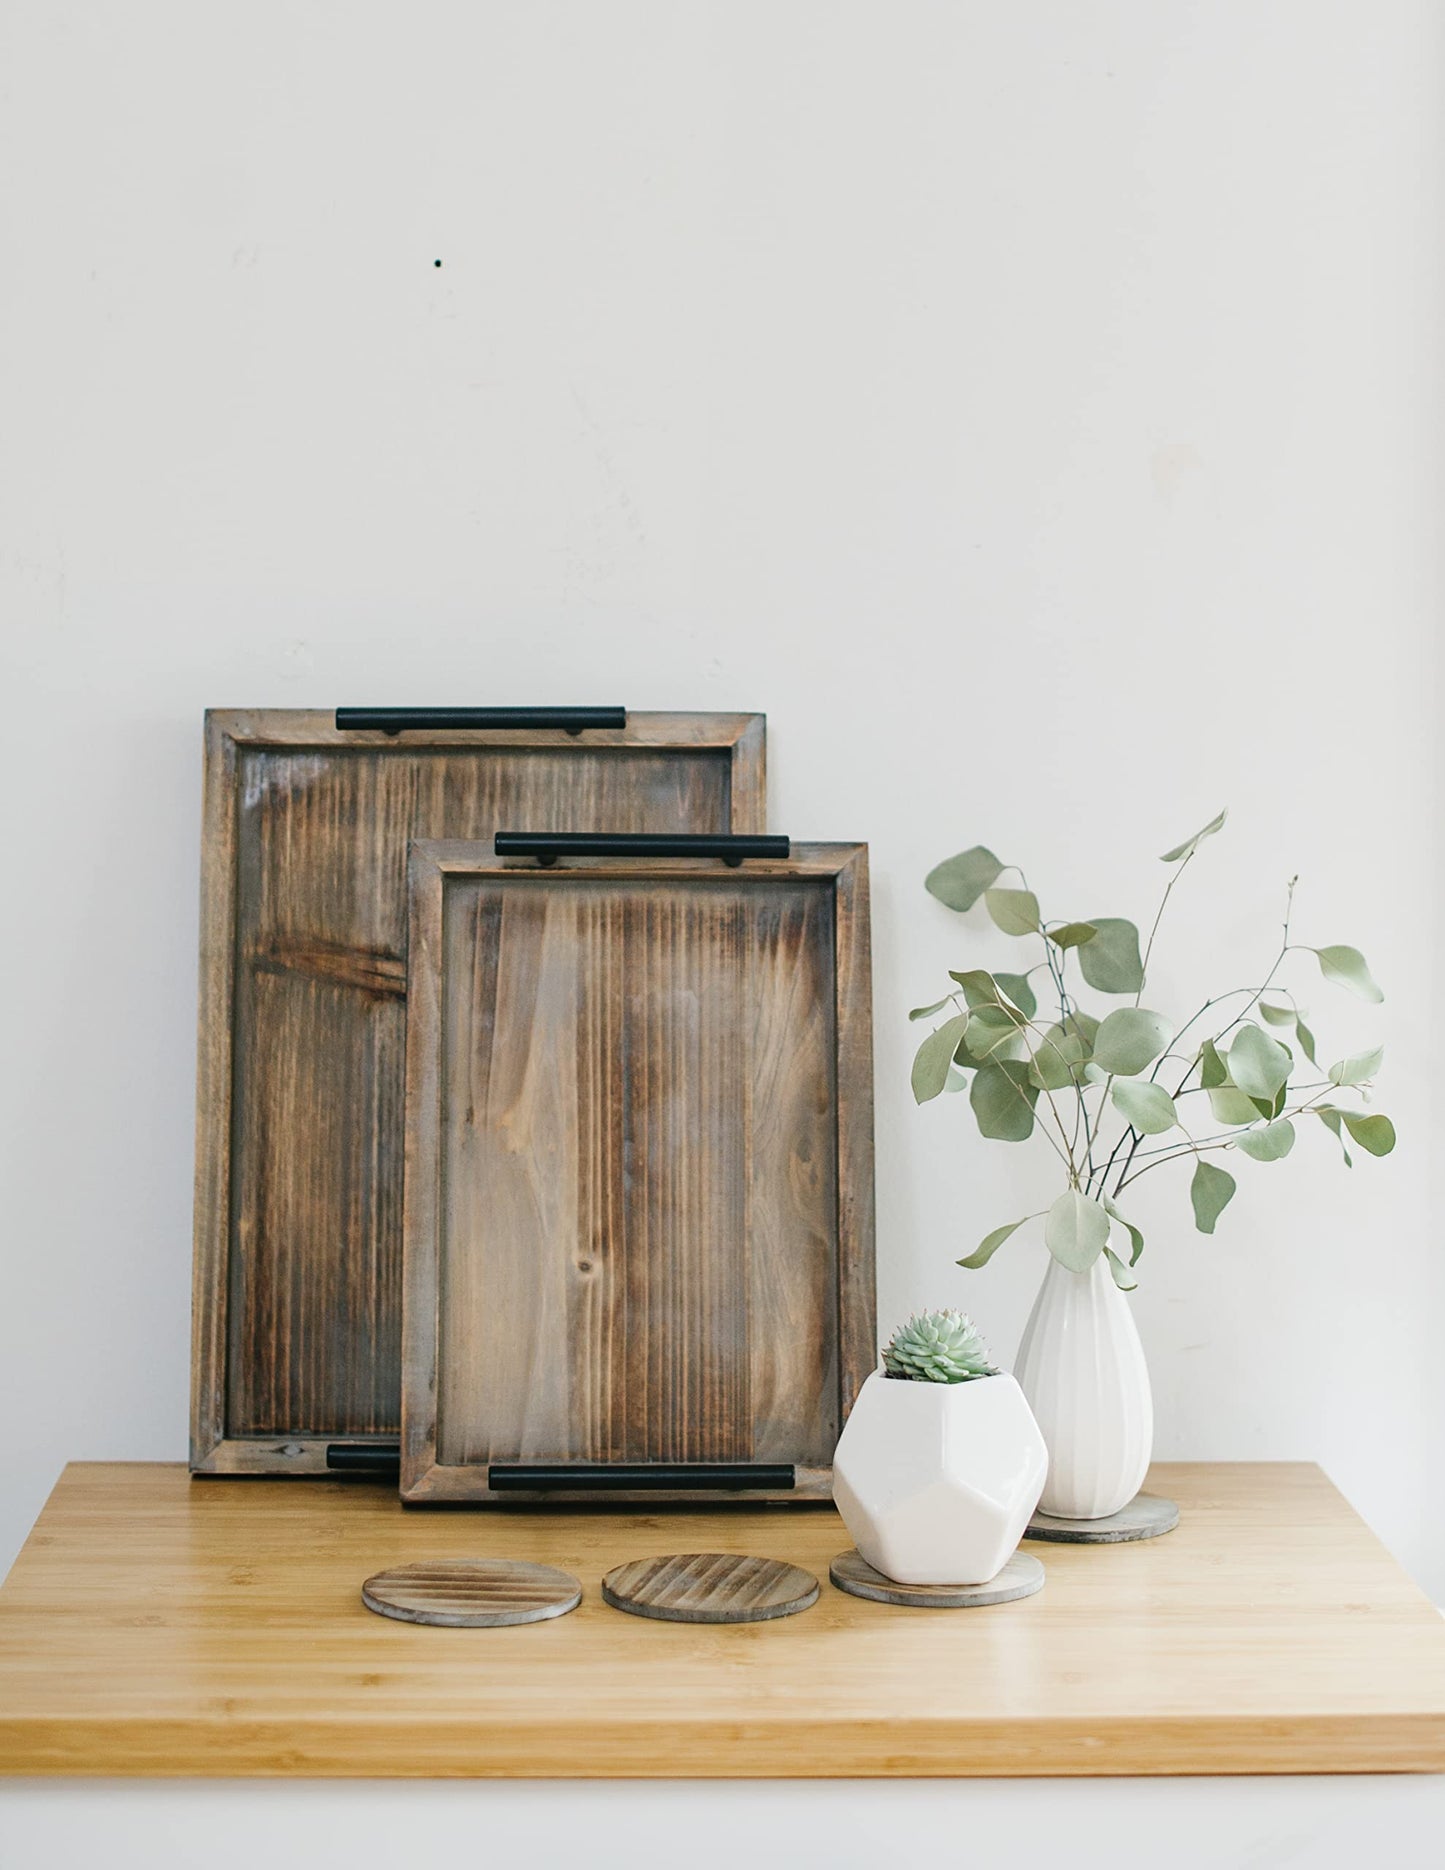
{"points": [[938, 1347], [1120, 1093]]}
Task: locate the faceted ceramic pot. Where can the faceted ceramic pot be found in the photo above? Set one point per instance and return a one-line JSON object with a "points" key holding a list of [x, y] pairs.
{"points": [[937, 1481], [1082, 1367]]}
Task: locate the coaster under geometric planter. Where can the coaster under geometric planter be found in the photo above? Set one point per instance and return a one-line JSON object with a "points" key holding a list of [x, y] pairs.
{"points": [[472, 1593], [1020, 1577], [1147, 1516], [710, 1587]]}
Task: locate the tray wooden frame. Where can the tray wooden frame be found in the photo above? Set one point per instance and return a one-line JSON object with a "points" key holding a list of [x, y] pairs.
{"points": [[229, 735], [425, 1480]]}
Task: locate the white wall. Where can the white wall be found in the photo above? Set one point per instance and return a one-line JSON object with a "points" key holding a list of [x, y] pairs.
{"points": [[1036, 408], [1288, 1823]]}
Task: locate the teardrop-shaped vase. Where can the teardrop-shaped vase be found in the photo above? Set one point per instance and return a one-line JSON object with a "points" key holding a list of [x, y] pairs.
{"points": [[1082, 1368]]}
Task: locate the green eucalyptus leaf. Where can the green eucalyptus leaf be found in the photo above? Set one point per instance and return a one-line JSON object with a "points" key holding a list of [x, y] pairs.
{"points": [[1357, 1070], [1270, 1144], [1149, 1107], [1129, 1228], [1055, 1065], [934, 1056], [1072, 934], [1306, 1040], [1230, 1105], [1190, 845], [1130, 1040], [1346, 967], [990, 1245], [927, 1012], [1016, 912], [957, 1079], [1374, 1133], [998, 1017], [1258, 1064], [1212, 1069], [1076, 1230], [1277, 1015], [1110, 962], [1081, 1025], [1017, 987], [1003, 1098], [960, 881], [1210, 1191], [1064, 1052], [985, 1040], [1120, 1272], [1330, 1118], [977, 985]]}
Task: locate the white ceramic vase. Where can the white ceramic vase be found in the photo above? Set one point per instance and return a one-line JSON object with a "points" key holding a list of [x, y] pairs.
{"points": [[1082, 1368], [937, 1481]]}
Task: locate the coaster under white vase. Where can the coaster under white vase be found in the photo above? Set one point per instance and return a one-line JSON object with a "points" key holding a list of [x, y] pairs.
{"points": [[1147, 1516], [1022, 1576], [1082, 1368]]}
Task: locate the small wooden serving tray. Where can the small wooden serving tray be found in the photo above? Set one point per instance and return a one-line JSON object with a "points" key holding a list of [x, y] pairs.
{"points": [[299, 1125], [639, 1195]]}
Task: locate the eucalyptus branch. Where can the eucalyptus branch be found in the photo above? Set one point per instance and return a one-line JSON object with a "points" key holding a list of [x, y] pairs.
{"points": [[1194, 1018], [1261, 991], [1056, 964], [1127, 1054], [1031, 1026], [1175, 1095], [1113, 1154], [1070, 1143], [1061, 1148], [1158, 918], [1224, 1139]]}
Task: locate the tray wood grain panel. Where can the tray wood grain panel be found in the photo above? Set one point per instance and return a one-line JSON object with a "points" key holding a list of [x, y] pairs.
{"points": [[639, 1165], [303, 1028]]}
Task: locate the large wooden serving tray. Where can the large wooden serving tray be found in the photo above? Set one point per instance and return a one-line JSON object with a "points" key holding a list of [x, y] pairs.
{"points": [[299, 1131], [639, 1198]]}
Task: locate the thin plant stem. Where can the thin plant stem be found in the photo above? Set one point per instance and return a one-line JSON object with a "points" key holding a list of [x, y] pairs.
{"points": [[1155, 1158], [1158, 918]]}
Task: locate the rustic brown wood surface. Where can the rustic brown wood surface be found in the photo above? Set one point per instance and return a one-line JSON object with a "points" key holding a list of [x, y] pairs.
{"points": [[472, 1593], [1021, 1577], [161, 1626], [639, 1164], [710, 1587], [302, 1028]]}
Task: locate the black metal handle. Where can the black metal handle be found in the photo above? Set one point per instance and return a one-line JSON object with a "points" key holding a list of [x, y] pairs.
{"points": [[364, 1457], [398, 720], [650, 1476], [547, 847]]}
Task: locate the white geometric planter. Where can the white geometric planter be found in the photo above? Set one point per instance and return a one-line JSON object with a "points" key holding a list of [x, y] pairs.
{"points": [[1082, 1367], [937, 1481]]}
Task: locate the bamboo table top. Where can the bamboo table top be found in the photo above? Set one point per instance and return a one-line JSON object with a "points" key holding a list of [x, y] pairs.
{"points": [[159, 1625]]}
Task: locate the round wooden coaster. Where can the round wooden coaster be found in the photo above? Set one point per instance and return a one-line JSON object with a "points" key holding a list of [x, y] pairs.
{"points": [[710, 1587], [1147, 1516], [472, 1593], [1020, 1577]]}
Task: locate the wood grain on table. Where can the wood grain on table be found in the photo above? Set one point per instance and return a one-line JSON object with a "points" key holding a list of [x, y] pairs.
{"points": [[159, 1625]]}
